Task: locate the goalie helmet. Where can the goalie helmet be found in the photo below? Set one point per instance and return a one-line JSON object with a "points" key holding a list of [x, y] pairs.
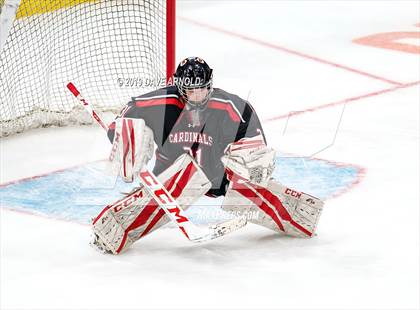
{"points": [[194, 80]]}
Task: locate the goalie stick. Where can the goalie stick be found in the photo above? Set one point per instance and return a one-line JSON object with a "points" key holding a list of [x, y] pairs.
{"points": [[165, 200]]}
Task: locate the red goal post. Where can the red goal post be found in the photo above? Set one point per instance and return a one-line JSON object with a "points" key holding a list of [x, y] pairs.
{"points": [[112, 49]]}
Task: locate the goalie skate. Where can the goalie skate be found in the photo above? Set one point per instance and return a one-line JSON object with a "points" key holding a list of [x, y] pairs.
{"points": [[100, 246]]}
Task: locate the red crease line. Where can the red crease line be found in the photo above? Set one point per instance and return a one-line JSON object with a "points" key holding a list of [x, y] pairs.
{"points": [[344, 101], [287, 50]]}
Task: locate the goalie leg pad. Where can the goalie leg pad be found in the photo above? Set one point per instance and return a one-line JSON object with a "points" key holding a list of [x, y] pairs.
{"points": [[276, 207], [121, 224]]}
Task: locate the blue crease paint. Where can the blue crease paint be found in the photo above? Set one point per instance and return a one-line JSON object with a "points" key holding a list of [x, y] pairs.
{"points": [[79, 194]]}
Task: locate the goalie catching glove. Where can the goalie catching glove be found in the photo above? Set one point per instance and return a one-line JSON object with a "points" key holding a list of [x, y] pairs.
{"points": [[132, 147], [249, 164], [250, 159]]}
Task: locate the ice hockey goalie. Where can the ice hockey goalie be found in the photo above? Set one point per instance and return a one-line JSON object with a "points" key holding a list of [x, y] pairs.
{"points": [[208, 142]]}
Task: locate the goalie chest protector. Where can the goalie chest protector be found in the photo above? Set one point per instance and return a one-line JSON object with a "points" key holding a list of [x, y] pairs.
{"points": [[204, 135]]}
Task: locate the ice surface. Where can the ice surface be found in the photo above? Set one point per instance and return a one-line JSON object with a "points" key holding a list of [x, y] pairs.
{"points": [[366, 253]]}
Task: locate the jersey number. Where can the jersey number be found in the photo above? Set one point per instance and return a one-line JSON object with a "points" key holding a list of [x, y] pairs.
{"points": [[195, 154]]}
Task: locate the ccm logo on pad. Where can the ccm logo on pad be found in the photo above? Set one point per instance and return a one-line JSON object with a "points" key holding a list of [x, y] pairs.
{"points": [[292, 193], [162, 195]]}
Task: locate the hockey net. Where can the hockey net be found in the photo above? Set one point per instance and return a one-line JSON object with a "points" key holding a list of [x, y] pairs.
{"points": [[112, 49]]}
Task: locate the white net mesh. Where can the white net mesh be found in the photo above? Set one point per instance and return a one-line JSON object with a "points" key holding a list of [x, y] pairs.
{"points": [[107, 48]]}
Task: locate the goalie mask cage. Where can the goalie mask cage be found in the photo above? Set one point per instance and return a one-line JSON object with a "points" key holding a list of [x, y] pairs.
{"points": [[111, 49]]}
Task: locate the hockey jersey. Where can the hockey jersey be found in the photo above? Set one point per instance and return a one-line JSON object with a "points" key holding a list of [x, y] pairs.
{"points": [[226, 119]]}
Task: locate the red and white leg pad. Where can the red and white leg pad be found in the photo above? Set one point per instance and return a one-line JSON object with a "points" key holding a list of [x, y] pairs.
{"points": [[276, 207], [122, 223]]}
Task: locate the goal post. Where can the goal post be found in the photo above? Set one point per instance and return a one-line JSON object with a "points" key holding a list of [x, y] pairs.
{"points": [[112, 49], [7, 15]]}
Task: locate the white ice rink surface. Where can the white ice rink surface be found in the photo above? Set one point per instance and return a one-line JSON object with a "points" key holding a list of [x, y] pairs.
{"points": [[366, 254]]}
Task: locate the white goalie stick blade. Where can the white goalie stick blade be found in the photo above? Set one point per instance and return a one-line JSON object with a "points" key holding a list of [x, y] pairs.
{"points": [[178, 216]]}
